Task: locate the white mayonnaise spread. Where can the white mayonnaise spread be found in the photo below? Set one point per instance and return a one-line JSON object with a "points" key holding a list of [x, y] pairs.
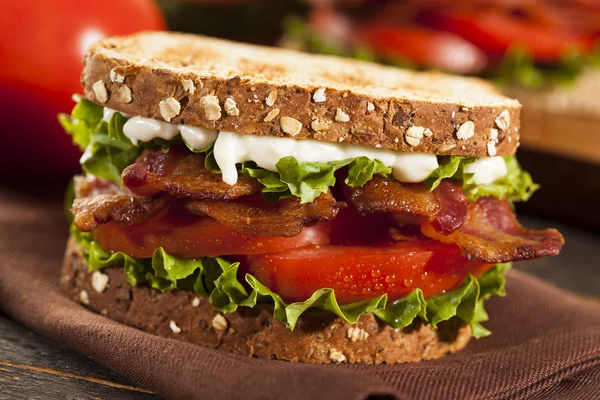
{"points": [[107, 114], [266, 151], [145, 129], [487, 170], [231, 148], [197, 138]]}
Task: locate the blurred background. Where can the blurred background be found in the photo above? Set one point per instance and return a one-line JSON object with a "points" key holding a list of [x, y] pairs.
{"points": [[544, 52]]}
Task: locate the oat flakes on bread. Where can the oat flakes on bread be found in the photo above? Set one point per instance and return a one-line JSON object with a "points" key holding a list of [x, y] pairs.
{"points": [[318, 338], [249, 89]]}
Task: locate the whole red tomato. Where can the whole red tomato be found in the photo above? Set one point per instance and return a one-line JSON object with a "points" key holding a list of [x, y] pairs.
{"points": [[41, 51]]}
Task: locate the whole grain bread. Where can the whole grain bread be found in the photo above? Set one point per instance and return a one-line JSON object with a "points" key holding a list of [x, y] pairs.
{"points": [[319, 337], [249, 89]]}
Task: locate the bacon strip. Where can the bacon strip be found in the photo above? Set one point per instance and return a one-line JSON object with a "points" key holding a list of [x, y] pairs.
{"points": [[492, 233], [181, 173], [99, 201], [254, 216], [446, 206], [487, 230]]}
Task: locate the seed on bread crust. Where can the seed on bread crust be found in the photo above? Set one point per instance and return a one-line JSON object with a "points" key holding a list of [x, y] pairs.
{"points": [[84, 298], [336, 356], [414, 134], [123, 94], [174, 327], [491, 148], [99, 281], [212, 109], [341, 116], [356, 334], [270, 100], [494, 135], [319, 95], [370, 107], [290, 125], [503, 120], [116, 77], [465, 131], [188, 86], [220, 323], [320, 124], [100, 91], [231, 107], [169, 108], [271, 115]]}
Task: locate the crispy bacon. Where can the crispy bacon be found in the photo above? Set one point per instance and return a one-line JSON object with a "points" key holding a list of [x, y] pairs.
{"points": [[91, 212], [254, 216], [446, 206], [492, 233], [100, 201], [487, 230], [181, 173]]}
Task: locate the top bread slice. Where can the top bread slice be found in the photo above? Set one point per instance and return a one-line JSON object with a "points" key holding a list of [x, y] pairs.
{"points": [[249, 89]]}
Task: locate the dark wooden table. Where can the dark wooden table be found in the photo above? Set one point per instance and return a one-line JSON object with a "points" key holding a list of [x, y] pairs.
{"points": [[33, 367]]}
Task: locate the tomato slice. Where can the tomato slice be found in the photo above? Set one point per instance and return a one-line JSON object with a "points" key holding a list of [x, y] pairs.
{"points": [[423, 46], [187, 236], [495, 33], [363, 272]]}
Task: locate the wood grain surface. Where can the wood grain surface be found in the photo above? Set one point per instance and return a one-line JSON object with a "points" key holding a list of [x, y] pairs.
{"points": [[33, 367]]}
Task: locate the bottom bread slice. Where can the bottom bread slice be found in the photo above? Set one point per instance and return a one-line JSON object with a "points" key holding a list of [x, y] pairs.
{"points": [[319, 336]]}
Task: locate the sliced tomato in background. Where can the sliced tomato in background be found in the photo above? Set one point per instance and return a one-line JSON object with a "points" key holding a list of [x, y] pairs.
{"points": [[360, 272], [495, 33], [188, 236], [41, 47], [422, 46]]}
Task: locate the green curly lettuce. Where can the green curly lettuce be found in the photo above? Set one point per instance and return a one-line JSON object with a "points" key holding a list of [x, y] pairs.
{"points": [[218, 280], [516, 186], [106, 149], [309, 180]]}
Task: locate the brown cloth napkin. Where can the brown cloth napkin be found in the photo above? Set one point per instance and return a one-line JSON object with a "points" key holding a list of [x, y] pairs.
{"points": [[545, 342]]}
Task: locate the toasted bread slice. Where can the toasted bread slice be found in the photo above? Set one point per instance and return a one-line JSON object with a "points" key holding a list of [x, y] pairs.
{"points": [[319, 336], [248, 89]]}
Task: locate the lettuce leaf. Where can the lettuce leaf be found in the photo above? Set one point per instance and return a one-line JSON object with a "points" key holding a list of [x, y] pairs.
{"points": [[516, 186], [309, 180], [82, 122], [218, 280], [519, 68], [107, 151]]}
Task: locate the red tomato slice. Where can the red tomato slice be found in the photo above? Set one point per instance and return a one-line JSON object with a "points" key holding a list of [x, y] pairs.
{"points": [[360, 272], [189, 236], [425, 47], [42, 44], [495, 33]]}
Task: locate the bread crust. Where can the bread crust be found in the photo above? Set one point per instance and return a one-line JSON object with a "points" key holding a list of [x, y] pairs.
{"points": [[134, 74], [319, 337]]}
